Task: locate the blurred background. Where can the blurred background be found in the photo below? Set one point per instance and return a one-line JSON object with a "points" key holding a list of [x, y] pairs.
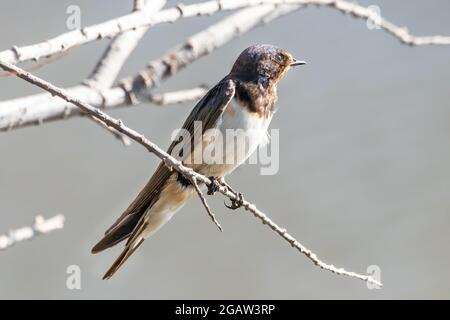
{"points": [[364, 173]]}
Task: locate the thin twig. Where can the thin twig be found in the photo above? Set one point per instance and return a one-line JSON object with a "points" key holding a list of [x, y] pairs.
{"points": [[41, 63], [119, 136], [188, 173], [40, 226], [205, 203]]}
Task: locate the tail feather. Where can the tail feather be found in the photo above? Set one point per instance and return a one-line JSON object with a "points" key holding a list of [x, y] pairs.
{"points": [[135, 240], [108, 241], [117, 234], [126, 253]]}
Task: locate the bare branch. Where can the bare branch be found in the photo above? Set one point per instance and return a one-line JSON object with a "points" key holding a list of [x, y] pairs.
{"points": [[205, 203], [138, 4], [113, 27], [174, 97], [39, 227], [173, 163], [40, 108], [138, 19], [120, 48], [361, 12], [115, 56]]}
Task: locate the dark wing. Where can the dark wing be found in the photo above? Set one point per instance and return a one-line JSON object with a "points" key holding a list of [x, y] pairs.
{"points": [[207, 110]]}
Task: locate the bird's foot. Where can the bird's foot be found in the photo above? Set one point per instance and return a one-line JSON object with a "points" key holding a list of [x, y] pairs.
{"points": [[224, 183], [236, 203], [214, 186]]}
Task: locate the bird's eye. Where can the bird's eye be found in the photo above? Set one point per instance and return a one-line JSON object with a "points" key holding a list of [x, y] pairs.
{"points": [[279, 57]]}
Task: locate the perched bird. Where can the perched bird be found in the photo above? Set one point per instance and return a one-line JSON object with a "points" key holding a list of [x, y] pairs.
{"points": [[244, 100]]}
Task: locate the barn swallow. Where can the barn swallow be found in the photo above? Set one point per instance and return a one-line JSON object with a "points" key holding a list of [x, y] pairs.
{"points": [[245, 100]]}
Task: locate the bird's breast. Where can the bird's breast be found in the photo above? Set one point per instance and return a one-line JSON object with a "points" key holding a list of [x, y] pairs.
{"points": [[238, 118], [236, 135]]}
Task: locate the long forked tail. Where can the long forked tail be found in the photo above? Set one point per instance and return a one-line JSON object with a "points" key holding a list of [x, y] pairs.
{"points": [[126, 253]]}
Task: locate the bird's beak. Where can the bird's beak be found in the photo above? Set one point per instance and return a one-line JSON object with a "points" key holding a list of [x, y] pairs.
{"points": [[297, 63]]}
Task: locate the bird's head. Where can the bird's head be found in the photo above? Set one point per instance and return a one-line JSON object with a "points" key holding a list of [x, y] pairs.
{"points": [[264, 64]]}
